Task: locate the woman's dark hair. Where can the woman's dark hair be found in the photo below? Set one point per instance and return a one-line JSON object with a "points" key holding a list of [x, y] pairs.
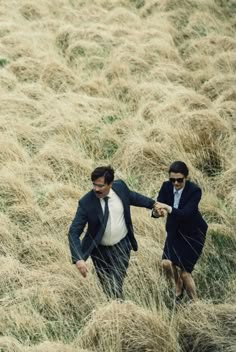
{"points": [[179, 167], [106, 171]]}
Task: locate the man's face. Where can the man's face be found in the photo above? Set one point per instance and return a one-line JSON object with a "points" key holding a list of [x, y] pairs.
{"points": [[100, 188], [178, 180]]}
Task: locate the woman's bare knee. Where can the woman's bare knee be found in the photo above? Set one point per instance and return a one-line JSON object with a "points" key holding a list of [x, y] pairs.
{"points": [[185, 275], [166, 265]]}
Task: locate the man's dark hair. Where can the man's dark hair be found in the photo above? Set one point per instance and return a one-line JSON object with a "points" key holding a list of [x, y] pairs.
{"points": [[106, 171], [179, 167]]}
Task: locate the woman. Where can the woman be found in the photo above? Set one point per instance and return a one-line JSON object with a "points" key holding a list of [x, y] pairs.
{"points": [[186, 229]]}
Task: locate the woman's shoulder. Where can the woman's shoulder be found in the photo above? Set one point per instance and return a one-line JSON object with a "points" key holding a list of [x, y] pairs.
{"points": [[166, 186], [192, 186]]}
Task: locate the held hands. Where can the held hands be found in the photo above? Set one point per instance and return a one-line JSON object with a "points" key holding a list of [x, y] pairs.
{"points": [[81, 266], [161, 209]]}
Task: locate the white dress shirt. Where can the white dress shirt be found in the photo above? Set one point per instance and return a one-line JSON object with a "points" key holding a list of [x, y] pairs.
{"points": [[116, 228]]}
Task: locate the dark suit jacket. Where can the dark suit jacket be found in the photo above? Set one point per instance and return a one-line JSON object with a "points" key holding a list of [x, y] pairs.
{"points": [[90, 212], [187, 218]]}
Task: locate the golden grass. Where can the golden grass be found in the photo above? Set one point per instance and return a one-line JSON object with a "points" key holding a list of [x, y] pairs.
{"points": [[136, 84], [13, 191], [7, 238], [10, 344], [127, 327], [206, 327]]}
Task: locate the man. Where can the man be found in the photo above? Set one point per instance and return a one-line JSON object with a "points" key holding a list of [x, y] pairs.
{"points": [[109, 237]]}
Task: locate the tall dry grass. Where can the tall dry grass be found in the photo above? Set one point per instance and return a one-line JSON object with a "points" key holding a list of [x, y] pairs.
{"points": [[136, 84]]}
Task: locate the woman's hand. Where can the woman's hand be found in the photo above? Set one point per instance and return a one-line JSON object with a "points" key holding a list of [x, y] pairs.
{"points": [[158, 212], [159, 207]]}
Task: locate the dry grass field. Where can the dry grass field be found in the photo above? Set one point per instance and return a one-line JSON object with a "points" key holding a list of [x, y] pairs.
{"points": [[136, 84]]}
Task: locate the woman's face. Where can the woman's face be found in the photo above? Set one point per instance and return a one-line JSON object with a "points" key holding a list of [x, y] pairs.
{"points": [[177, 179]]}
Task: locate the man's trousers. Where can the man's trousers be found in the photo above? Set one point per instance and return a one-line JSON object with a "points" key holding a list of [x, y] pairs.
{"points": [[111, 264]]}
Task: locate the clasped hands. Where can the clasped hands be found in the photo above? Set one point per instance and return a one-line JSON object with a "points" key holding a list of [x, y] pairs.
{"points": [[160, 209]]}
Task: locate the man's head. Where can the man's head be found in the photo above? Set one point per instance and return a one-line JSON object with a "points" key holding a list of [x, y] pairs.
{"points": [[178, 172], [102, 178]]}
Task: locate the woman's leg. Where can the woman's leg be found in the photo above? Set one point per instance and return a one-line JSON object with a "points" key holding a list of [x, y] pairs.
{"points": [[189, 284], [172, 273]]}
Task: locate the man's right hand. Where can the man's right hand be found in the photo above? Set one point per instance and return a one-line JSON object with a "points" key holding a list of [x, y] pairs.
{"points": [[157, 212], [81, 266]]}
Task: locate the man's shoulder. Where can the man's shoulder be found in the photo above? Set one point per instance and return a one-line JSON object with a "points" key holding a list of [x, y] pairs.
{"points": [[119, 184], [86, 197]]}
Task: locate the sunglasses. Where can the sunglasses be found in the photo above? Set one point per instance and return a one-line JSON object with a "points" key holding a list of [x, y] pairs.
{"points": [[179, 180]]}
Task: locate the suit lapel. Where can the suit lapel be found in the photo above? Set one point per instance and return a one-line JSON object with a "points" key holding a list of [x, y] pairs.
{"points": [[170, 194], [98, 208], [184, 194]]}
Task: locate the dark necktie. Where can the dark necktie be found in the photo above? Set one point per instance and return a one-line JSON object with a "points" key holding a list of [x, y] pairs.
{"points": [[106, 212]]}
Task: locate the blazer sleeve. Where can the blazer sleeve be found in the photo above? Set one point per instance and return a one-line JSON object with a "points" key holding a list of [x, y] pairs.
{"points": [[160, 198], [75, 231], [139, 200]]}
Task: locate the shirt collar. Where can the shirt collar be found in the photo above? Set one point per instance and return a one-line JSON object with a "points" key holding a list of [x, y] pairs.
{"points": [[178, 190], [109, 195]]}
